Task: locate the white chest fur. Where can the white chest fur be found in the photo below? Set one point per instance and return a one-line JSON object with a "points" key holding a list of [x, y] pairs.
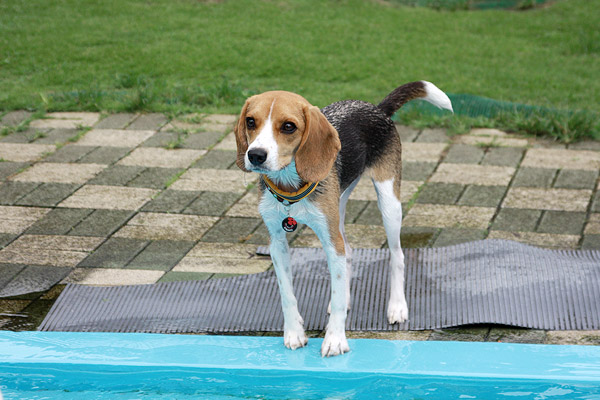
{"points": [[304, 211]]}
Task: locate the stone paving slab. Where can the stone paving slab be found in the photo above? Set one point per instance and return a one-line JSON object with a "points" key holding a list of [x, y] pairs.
{"points": [[159, 157], [359, 236], [227, 258], [212, 203], [461, 153], [562, 222], [593, 225], [114, 138], [24, 152], [116, 121], [215, 180], [440, 193], [17, 219], [228, 143], [556, 241], [117, 175], [47, 194], [562, 158], [219, 159], [417, 171], [534, 177], [503, 156], [447, 216], [423, 152], [11, 192], [100, 222], [155, 178], [486, 196], [112, 277], [69, 153], [60, 173], [171, 201], [59, 221], [219, 265], [60, 251], [435, 135], [576, 179], [467, 174], [153, 122], [548, 199], [34, 278], [157, 226], [109, 197], [115, 253], [140, 198], [493, 140], [7, 168], [66, 120], [365, 190], [28, 135], [161, 255], [104, 155], [247, 206], [14, 118], [233, 230], [6, 238]]}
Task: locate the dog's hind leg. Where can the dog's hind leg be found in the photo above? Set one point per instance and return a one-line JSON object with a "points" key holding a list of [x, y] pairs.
{"points": [[343, 202], [388, 200]]}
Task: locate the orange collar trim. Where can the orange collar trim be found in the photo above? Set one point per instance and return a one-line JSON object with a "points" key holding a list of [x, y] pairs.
{"points": [[289, 197]]}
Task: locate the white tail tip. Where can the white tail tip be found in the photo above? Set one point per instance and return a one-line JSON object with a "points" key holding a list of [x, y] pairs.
{"points": [[436, 97]]}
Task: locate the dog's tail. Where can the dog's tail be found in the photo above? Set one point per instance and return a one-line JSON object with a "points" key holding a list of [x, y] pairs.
{"points": [[414, 90]]}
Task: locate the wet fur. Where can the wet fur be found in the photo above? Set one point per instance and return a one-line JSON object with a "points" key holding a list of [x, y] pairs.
{"points": [[334, 146]]}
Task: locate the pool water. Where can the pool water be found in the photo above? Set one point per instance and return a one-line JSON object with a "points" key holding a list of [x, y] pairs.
{"points": [[303, 387], [53, 365]]}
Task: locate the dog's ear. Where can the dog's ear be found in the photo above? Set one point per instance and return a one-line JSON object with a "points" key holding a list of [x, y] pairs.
{"points": [[241, 139], [319, 146]]}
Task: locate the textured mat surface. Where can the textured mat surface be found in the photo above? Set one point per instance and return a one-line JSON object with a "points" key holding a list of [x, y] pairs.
{"points": [[490, 281]]}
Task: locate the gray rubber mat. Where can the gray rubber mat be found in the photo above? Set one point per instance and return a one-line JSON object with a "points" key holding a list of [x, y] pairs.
{"points": [[484, 282]]}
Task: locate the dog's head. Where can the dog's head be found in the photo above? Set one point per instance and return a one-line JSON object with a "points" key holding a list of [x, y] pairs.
{"points": [[276, 128]]}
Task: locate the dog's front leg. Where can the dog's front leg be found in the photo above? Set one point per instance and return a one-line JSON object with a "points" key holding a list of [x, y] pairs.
{"points": [[293, 329], [335, 342]]}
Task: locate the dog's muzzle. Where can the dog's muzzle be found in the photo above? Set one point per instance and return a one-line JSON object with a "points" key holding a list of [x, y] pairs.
{"points": [[257, 156]]}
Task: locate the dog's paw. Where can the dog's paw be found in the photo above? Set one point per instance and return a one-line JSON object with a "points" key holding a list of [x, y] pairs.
{"points": [[334, 344], [397, 312], [294, 339]]}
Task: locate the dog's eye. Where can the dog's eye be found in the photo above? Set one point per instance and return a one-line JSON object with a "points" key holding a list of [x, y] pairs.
{"points": [[288, 127], [250, 123]]}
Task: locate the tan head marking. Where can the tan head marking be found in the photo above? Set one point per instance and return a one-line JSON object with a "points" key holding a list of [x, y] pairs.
{"points": [[319, 147], [312, 141]]}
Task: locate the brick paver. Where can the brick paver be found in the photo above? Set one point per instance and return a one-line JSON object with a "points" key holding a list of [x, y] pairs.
{"points": [[139, 198], [114, 138]]}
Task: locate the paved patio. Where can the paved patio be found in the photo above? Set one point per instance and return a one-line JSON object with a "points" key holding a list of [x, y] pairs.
{"points": [[132, 199]]}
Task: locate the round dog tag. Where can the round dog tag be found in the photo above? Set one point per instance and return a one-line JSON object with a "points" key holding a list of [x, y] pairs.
{"points": [[289, 224]]}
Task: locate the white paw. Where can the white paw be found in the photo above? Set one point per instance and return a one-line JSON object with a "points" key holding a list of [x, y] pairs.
{"points": [[397, 311], [294, 339], [334, 344]]}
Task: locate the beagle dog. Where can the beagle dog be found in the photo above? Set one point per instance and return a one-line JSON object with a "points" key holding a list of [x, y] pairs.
{"points": [[310, 160]]}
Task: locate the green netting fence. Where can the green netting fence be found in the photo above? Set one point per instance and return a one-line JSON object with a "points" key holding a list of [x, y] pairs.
{"points": [[565, 125], [474, 106], [473, 4]]}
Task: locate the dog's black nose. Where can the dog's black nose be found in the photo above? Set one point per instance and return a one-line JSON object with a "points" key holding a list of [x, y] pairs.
{"points": [[257, 156]]}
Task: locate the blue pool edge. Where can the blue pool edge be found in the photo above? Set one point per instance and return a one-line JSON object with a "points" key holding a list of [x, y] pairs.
{"points": [[564, 363]]}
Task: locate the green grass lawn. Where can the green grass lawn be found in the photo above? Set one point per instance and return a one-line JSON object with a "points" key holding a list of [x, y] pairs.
{"points": [[190, 55]]}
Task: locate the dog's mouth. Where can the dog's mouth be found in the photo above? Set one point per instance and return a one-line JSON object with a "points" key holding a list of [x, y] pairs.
{"points": [[264, 169], [259, 170]]}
